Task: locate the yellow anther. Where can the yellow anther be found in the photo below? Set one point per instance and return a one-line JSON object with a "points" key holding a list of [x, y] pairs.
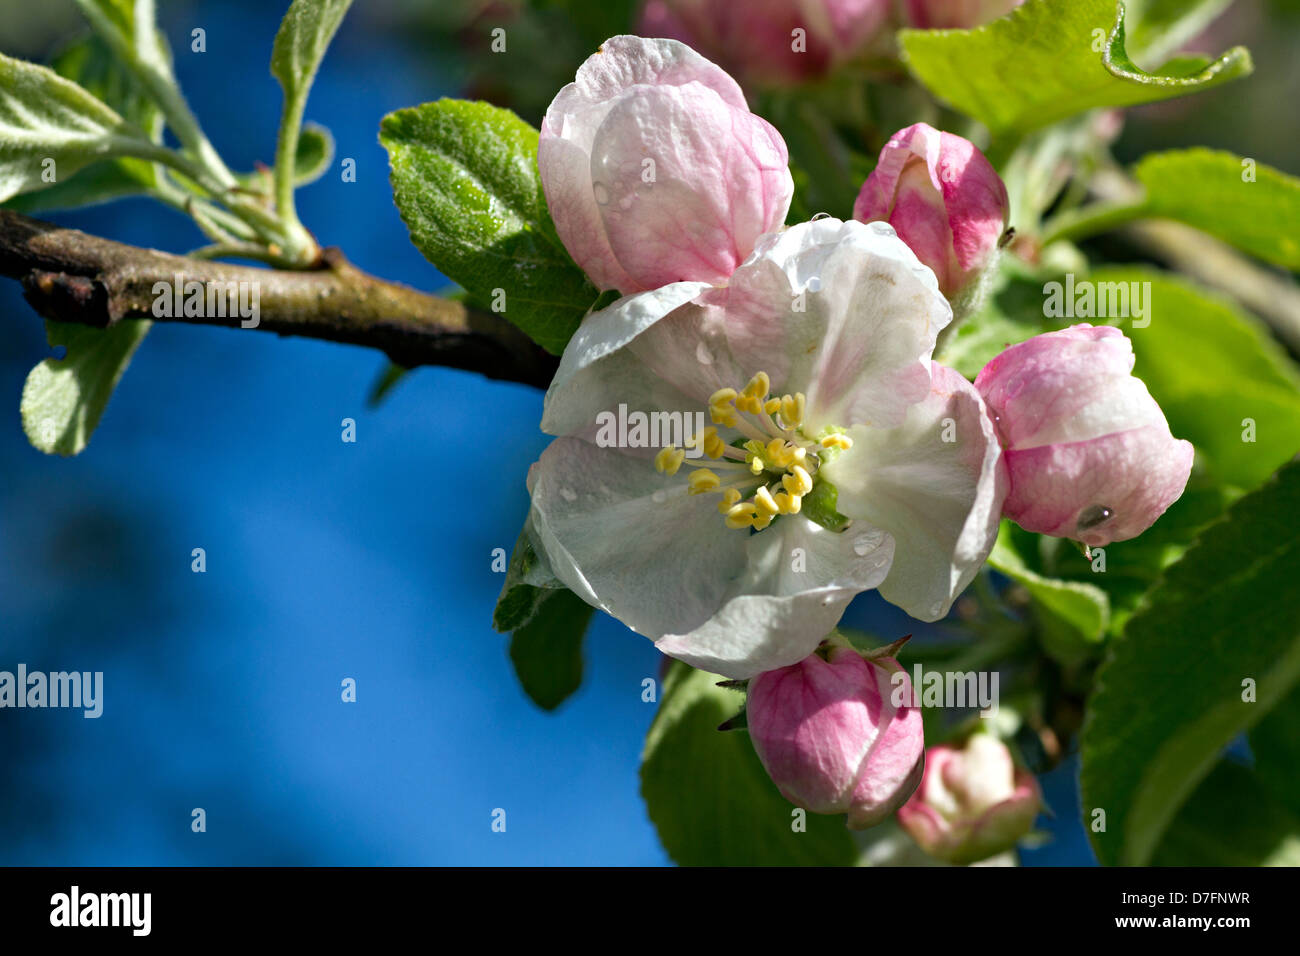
{"points": [[729, 499], [765, 504], [756, 465], [761, 522], [714, 446], [798, 481], [792, 407], [702, 480], [741, 515], [799, 456], [772, 406], [755, 393], [669, 460], [723, 396], [837, 441], [788, 503], [779, 452]]}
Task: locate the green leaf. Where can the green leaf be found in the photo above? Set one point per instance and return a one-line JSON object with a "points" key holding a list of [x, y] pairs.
{"points": [[1212, 368], [707, 792], [63, 399], [1169, 697], [1048, 60], [1231, 821], [300, 44], [314, 155], [466, 183], [1275, 742], [90, 64], [1072, 615], [528, 579], [1210, 190], [1158, 28], [547, 651], [51, 127]]}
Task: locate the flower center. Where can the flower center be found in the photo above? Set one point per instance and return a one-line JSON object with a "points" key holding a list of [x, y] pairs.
{"points": [[768, 467]]}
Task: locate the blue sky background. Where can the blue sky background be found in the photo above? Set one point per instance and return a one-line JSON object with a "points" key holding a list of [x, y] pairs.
{"points": [[325, 560]]}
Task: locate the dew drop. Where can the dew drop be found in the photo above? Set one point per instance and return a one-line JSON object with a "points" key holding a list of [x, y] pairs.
{"points": [[881, 228], [601, 192], [867, 542], [1093, 516], [818, 216], [703, 355]]}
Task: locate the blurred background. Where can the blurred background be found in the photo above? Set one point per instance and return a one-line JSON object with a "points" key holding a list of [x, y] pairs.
{"points": [[328, 560]]}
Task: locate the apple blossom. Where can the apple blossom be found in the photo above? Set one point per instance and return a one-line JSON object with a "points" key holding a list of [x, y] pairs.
{"points": [[973, 802], [943, 198], [1089, 453], [654, 169], [956, 14], [770, 42], [813, 364], [831, 739]]}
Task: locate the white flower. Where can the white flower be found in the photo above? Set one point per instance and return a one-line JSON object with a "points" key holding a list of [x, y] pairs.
{"points": [[814, 367]]}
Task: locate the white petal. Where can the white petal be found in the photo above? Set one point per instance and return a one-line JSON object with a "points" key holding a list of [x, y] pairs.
{"points": [[941, 500], [775, 614], [842, 311], [598, 371], [632, 541]]}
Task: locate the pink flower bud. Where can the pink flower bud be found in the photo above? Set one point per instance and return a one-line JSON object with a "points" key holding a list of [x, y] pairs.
{"points": [[833, 738], [943, 198], [654, 169], [770, 42], [956, 14], [972, 803], [1088, 451]]}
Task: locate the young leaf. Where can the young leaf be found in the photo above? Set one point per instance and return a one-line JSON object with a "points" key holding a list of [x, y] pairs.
{"points": [[304, 35], [708, 794], [1246, 204], [51, 127], [465, 180], [1050, 59], [547, 650], [1216, 646], [1072, 615], [528, 582], [63, 399]]}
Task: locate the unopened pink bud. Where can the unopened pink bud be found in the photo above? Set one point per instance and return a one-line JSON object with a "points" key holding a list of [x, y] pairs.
{"points": [[770, 42], [972, 803], [654, 169], [943, 198], [1088, 450], [956, 14], [838, 735]]}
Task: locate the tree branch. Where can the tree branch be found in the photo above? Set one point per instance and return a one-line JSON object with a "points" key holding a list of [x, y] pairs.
{"points": [[69, 276]]}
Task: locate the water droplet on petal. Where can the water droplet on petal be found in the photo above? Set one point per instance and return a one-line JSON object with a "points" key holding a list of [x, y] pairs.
{"points": [[601, 192], [881, 228], [818, 216], [1093, 516], [703, 355], [867, 542]]}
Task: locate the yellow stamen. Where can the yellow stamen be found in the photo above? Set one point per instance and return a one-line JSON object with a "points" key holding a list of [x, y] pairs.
{"points": [[772, 406], [792, 408], [669, 460], [729, 499], [788, 503], [837, 441], [764, 503], [741, 515], [798, 481], [702, 480]]}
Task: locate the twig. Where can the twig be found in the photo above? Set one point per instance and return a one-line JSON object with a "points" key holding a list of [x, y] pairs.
{"points": [[70, 276]]}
